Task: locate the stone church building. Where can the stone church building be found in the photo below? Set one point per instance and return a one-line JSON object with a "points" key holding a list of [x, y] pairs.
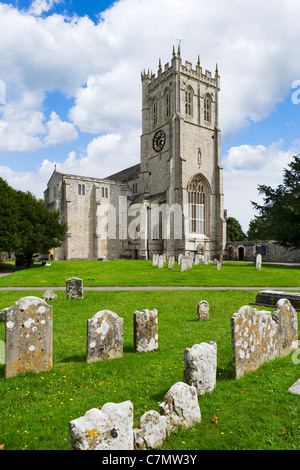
{"points": [[172, 201]]}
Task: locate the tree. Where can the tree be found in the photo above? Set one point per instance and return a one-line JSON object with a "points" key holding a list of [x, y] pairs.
{"points": [[26, 225], [281, 208], [259, 229], [234, 230]]}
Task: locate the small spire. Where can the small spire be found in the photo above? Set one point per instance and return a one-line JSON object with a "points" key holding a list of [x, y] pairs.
{"points": [[198, 62], [178, 53], [159, 65], [174, 52], [217, 71], [55, 167]]}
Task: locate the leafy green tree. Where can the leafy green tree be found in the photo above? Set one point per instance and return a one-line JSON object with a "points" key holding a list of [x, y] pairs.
{"points": [[259, 229], [26, 225], [281, 206], [234, 230]]}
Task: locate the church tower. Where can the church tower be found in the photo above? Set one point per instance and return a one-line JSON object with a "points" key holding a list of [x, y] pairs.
{"points": [[181, 158]]}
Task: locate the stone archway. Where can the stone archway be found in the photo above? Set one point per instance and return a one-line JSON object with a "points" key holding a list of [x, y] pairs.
{"points": [[241, 253]]}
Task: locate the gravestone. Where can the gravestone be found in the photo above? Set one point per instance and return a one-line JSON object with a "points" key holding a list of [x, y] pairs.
{"points": [[258, 262], [184, 263], [110, 428], [74, 288], [200, 367], [179, 259], [151, 431], [219, 265], [221, 259], [28, 336], [286, 318], [269, 298], [49, 295], [161, 261], [255, 339], [203, 310], [197, 260], [180, 407], [104, 336], [145, 330], [295, 389], [205, 259], [171, 262], [155, 260]]}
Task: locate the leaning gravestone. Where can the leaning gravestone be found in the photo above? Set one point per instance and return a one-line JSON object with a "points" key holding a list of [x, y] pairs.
{"points": [[74, 288], [145, 330], [200, 367], [28, 336], [203, 310], [110, 428], [104, 336]]}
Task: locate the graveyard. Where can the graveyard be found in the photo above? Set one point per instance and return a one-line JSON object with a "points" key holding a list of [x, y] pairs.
{"points": [[253, 412]]}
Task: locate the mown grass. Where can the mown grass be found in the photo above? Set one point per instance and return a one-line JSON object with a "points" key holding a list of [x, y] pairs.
{"points": [[142, 273], [255, 412]]}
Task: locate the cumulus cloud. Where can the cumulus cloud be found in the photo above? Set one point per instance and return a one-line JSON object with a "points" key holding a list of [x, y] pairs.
{"points": [[98, 64], [59, 132], [246, 167]]}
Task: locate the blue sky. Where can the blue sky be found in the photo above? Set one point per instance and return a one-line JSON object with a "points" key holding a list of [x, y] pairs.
{"points": [[70, 89]]}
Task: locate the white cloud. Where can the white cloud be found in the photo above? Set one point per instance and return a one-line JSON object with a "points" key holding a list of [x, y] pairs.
{"points": [[99, 65], [246, 167], [59, 132], [38, 7]]}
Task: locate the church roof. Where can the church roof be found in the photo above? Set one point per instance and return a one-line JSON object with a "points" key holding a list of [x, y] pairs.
{"points": [[128, 174]]}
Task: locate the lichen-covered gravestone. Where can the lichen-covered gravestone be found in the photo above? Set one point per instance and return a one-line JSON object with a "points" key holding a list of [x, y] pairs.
{"points": [[255, 339], [180, 407], [110, 428], [49, 295], [28, 336], [203, 310], [200, 367], [171, 262], [145, 330], [286, 318], [74, 288], [151, 431], [104, 336]]}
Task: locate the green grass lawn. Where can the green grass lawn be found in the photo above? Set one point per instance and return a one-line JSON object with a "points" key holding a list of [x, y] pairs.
{"points": [[142, 273], [254, 412]]}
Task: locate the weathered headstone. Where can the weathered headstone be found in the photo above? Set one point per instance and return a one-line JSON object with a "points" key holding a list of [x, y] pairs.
{"points": [[197, 259], [205, 259], [28, 336], [184, 264], [171, 262], [219, 266], [295, 389], [155, 260], [179, 259], [200, 367], [104, 336], [258, 262], [255, 339], [161, 261], [286, 318], [49, 295], [221, 259], [180, 407], [145, 330], [151, 431], [74, 288], [110, 428], [203, 310]]}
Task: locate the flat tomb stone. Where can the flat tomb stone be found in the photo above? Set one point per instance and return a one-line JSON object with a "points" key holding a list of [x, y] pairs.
{"points": [[269, 298]]}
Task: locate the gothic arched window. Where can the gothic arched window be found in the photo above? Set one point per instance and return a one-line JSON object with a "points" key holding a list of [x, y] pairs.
{"points": [[207, 108], [168, 104], [196, 205], [155, 112], [189, 101]]}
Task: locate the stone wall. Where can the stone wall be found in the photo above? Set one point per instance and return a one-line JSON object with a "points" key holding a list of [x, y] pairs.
{"points": [[270, 251]]}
